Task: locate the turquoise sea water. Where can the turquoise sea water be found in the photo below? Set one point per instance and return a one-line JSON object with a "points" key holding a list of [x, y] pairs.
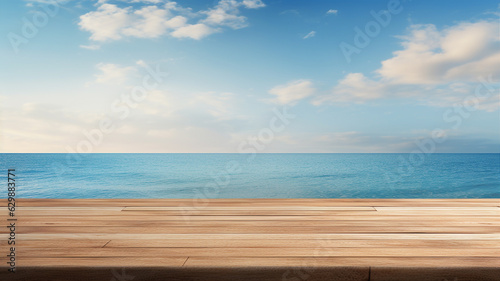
{"points": [[253, 176]]}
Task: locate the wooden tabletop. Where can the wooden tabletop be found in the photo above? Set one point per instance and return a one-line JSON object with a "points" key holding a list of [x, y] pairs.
{"points": [[253, 239]]}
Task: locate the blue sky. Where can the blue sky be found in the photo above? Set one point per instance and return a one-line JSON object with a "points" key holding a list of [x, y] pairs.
{"points": [[357, 76]]}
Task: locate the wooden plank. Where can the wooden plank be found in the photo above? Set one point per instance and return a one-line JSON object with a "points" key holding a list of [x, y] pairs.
{"points": [[153, 229], [263, 208], [49, 212], [68, 208], [310, 263], [263, 213], [124, 261], [290, 243], [229, 218], [221, 212], [265, 252], [299, 262], [254, 223], [59, 243], [265, 236]]}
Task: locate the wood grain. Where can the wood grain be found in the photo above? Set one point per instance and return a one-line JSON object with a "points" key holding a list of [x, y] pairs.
{"points": [[255, 239]]}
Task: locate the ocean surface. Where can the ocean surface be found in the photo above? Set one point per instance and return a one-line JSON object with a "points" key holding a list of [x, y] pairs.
{"points": [[253, 176]]}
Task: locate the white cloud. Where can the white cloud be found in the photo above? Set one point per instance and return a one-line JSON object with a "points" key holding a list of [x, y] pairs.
{"points": [[194, 31], [90, 47], [310, 34], [225, 16], [435, 67], [148, 22], [357, 88], [354, 87], [459, 53], [106, 23], [332, 12], [147, 1], [293, 91], [154, 19], [226, 13], [253, 4], [47, 1]]}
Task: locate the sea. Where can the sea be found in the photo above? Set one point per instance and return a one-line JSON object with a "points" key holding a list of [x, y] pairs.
{"points": [[289, 175]]}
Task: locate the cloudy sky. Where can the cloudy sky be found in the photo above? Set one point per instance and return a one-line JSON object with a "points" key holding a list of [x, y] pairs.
{"points": [[249, 76]]}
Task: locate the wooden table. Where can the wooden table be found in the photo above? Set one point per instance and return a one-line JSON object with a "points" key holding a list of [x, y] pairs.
{"points": [[254, 239]]}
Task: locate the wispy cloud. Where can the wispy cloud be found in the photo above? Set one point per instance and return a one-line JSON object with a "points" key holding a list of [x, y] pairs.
{"points": [[112, 73], [290, 12], [90, 47], [293, 91], [332, 12], [310, 35]]}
